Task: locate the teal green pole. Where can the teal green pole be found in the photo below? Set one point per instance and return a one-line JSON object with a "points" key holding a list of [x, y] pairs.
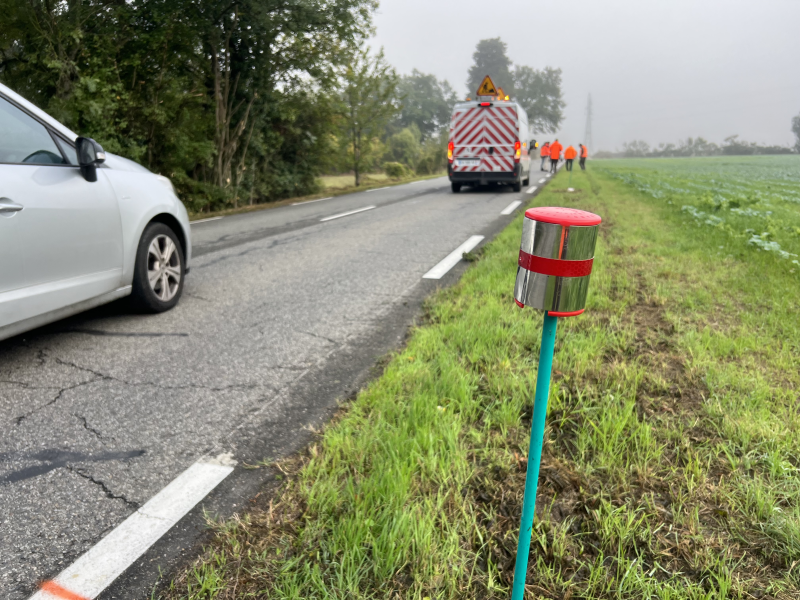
{"points": [[534, 453]]}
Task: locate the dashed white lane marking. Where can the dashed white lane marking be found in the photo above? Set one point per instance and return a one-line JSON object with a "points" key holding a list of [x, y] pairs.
{"points": [[347, 214], [420, 181], [93, 572], [543, 180], [204, 220], [377, 189], [312, 201], [510, 208], [452, 259], [531, 189]]}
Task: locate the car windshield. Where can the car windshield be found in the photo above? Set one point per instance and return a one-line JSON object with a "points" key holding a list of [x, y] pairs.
{"points": [[24, 140]]}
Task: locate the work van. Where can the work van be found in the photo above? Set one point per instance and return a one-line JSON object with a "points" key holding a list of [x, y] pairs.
{"points": [[489, 143]]}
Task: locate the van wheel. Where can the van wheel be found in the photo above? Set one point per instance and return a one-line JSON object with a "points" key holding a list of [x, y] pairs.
{"points": [[526, 181], [456, 187], [517, 187], [158, 273]]}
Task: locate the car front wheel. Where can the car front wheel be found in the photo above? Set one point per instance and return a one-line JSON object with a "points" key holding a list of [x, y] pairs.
{"points": [[159, 270]]}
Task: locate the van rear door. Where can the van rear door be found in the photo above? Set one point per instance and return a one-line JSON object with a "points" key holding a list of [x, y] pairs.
{"points": [[483, 137]]}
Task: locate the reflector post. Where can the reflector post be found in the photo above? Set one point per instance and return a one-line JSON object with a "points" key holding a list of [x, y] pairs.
{"points": [[556, 257]]}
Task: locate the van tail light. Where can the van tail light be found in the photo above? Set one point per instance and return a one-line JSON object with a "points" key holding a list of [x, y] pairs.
{"points": [[517, 151], [450, 148]]}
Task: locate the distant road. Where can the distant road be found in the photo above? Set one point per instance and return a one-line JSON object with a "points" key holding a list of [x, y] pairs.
{"points": [[285, 310]]}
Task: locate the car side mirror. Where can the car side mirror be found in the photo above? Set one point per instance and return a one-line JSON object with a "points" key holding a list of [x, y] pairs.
{"points": [[90, 154]]}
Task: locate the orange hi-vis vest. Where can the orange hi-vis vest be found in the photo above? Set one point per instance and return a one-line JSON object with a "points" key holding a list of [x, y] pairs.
{"points": [[584, 152], [545, 150], [570, 153], [555, 150]]}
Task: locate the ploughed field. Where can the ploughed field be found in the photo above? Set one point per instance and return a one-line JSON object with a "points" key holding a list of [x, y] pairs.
{"points": [[672, 448]]}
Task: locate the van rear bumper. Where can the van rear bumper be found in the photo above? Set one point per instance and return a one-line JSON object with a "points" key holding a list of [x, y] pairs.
{"points": [[484, 177]]}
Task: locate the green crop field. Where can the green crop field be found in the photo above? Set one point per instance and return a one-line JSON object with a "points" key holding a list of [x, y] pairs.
{"points": [[672, 450]]}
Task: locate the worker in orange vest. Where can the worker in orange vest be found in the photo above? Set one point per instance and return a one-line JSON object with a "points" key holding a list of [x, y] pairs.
{"points": [[545, 153], [555, 154], [569, 155], [584, 156]]}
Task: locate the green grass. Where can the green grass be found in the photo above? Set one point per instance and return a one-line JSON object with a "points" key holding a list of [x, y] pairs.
{"points": [[670, 467], [335, 185], [333, 182]]}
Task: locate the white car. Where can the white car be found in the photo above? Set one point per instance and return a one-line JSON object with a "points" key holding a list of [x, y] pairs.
{"points": [[79, 227]]}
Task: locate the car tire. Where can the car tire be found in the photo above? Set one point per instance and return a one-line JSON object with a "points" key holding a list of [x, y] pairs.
{"points": [[159, 270], [527, 180], [456, 187], [517, 187]]}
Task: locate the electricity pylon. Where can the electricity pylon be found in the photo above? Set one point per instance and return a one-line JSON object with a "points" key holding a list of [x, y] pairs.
{"points": [[587, 135]]}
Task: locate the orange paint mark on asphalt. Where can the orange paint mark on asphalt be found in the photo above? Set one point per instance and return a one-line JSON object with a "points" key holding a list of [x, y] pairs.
{"points": [[51, 587]]}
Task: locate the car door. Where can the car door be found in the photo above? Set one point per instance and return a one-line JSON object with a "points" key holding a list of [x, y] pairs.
{"points": [[67, 231], [11, 273]]}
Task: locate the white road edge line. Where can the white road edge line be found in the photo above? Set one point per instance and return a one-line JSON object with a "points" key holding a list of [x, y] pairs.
{"points": [[377, 189], [452, 259], [415, 182], [312, 201], [93, 572], [531, 189], [204, 220], [347, 214], [543, 180], [511, 207]]}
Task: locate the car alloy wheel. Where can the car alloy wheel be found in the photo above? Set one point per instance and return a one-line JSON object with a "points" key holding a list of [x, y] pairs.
{"points": [[163, 268]]}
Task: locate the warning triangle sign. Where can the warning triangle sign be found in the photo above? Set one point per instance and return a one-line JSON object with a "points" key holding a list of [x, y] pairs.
{"points": [[500, 94], [487, 87]]}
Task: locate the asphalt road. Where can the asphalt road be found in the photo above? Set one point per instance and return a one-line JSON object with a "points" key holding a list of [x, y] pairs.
{"points": [[282, 315]]}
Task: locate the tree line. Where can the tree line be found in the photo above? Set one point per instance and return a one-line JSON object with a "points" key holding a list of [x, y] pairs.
{"points": [[732, 146], [242, 101]]}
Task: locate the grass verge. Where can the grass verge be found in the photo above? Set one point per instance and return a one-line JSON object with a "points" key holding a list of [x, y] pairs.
{"points": [[335, 185], [670, 467]]}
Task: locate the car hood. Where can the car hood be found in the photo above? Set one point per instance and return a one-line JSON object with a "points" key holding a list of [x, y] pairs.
{"points": [[119, 163]]}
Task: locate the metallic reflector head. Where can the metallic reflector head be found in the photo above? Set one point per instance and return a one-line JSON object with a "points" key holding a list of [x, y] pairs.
{"points": [[555, 259]]}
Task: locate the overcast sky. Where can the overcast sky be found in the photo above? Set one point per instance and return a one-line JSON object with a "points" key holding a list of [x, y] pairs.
{"points": [[658, 70]]}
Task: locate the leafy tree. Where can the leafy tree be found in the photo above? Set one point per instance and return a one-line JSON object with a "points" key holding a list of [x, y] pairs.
{"points": [[490, 59], [369, 101], [796, 131], [433, 155], [427, 103], [404, 146], [539, 92], [224, 96], [635, 149]]}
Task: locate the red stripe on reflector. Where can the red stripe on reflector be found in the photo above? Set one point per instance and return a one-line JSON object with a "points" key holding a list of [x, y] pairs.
{"points": [[555, 267], [566, 314]]}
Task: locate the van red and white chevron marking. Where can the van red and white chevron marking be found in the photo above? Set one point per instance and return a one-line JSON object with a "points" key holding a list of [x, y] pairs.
{"points": [[476, 129]]}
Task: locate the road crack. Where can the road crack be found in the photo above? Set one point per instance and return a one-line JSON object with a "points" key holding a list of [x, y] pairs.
{"points": [[322, 337], [90, 429], [61, 392], [104, 487]]}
